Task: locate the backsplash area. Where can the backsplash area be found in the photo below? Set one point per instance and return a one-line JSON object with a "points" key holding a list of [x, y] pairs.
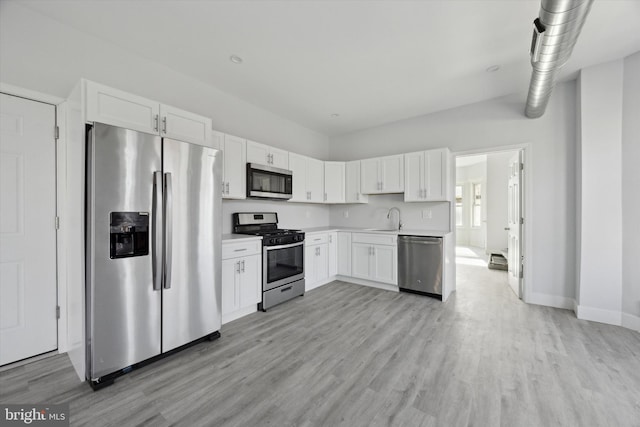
{"points": [[290, 215], [414, 216]]}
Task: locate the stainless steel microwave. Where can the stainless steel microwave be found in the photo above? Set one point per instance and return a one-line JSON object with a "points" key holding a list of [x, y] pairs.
{"points": [[267, 182]]}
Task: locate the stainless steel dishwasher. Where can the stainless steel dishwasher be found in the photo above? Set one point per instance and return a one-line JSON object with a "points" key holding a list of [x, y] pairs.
{"points": [[420, 265]]}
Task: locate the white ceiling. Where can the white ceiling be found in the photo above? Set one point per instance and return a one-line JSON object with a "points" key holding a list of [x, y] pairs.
{"points": [[372, 62]]}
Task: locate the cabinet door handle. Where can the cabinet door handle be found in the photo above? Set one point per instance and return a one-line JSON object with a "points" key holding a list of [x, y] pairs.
{"points": [[164, 124], [223, 187], [155, 119], [238, 267], [227, 186], [330, 238], [357, 196], [325, 197], [243, 266]]}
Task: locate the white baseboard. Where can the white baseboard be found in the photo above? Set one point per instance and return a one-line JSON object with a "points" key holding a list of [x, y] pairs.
{"points": [[229, 317], [308, 287], [609, 317], [551, 301], [630, 321], [378, 285]]}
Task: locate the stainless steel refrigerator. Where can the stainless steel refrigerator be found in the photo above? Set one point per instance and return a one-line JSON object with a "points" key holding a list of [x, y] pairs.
{"points": [[153, 248]]}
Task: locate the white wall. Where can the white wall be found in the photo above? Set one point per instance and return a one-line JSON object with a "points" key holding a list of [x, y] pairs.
{"points": [[600, 211], [41, 54], [497, 200], [631, 193], [498, 123]]}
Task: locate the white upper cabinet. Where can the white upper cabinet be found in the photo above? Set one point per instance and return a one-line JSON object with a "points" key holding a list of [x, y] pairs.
{"points": [[426, 174], [315, 180], [118, 108], [234, 167], [308, 179], [266, 155], [184, 126], [334, 185], [352, 183], [382, 175]]}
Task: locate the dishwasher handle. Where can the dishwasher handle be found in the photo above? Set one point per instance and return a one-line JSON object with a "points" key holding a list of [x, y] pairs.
{"points": [[422, 240]]}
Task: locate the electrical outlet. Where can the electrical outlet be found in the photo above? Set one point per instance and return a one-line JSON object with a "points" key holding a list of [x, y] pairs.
{"points": [[346, 214], [427, 214]]}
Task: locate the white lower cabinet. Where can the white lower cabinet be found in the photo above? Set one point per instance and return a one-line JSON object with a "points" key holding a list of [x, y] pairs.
{"points": [[316, 265], [333, 254], [320, 258], [241, 279], [344, 253], [374, 257]]}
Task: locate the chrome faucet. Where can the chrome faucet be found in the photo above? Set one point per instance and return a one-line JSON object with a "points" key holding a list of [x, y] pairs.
{"points": [[389, 216]]}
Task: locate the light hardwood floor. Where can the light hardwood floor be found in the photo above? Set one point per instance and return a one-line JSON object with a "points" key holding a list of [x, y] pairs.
{"points": [[347, 355]]}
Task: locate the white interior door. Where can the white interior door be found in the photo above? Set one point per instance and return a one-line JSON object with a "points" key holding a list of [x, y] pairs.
{"points": [[28, 324], [514, 224]]}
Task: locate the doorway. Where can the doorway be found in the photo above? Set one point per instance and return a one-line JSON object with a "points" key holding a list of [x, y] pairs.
{"points": [[488, 218], [28, 301]]}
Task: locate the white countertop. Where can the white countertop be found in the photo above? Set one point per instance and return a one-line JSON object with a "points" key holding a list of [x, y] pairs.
{"points": [[407, 232], [239, 237]]}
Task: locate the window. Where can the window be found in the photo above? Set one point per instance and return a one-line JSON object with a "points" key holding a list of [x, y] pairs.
{"points": [[459, 222], [476, 213]]}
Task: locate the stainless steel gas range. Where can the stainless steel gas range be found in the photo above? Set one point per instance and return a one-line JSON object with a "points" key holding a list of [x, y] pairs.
{"points": [[282, 256]]}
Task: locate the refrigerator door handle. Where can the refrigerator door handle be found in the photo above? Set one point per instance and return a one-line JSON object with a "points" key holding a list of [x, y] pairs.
{"points": [[156, 251], [168, 229]]}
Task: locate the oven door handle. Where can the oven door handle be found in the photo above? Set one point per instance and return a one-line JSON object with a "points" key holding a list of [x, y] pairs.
{"points": [[291, 245]]}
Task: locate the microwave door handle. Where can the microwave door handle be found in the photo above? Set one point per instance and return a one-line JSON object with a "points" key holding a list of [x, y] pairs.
{"points": [[156, 248], [168, 229]]}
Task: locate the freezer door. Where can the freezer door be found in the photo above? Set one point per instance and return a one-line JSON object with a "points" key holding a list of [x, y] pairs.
{"points": [[123, 309], [192, 282]]}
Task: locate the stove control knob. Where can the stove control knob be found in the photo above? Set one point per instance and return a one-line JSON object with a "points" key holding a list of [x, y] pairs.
{"points": [[272, 241], [280, 240]]}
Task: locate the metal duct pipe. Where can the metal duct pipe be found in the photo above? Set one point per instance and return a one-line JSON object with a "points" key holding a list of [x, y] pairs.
{"points": [[555, 33]]}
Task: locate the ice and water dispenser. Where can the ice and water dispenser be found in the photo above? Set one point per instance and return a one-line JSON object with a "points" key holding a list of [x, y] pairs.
{"points": [[129, 234]]}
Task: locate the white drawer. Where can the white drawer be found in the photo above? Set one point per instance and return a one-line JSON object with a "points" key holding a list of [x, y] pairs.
{"points": [[374, 239], [316, 239], [238, 249]]}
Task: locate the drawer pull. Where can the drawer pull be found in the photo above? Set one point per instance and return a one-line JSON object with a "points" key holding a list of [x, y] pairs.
{"points": [[239, 250], [288, 288]]}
